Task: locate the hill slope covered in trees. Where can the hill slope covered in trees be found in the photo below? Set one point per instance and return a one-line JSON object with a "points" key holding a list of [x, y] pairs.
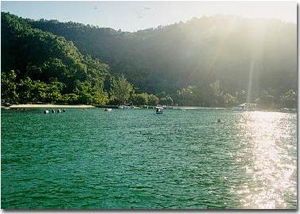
{"points": [[211, 61], [236, 55], [39, 66]]}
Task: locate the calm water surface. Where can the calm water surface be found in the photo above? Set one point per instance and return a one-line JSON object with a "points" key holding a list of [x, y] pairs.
{"points": [[136, 159]]}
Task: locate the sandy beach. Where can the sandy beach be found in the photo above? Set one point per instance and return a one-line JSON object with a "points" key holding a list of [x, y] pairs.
{"points": [[49, 106]]}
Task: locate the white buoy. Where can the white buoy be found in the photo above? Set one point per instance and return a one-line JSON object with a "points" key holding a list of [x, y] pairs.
{"points": [[53, 111], [46, 111], [58, 111]]}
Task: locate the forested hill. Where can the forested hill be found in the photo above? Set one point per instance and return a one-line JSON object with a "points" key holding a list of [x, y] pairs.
{"points": [[211, 61], [39, 66], [225, 50]]}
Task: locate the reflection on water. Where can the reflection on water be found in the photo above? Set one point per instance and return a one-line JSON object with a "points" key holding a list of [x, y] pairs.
{"points": [[269, 160]]}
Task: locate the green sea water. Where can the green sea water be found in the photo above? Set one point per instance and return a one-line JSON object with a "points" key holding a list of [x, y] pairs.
{"points": [[135, 159]]}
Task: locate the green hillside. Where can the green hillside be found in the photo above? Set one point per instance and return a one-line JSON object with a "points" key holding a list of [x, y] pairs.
{"points": [[211, 61], [39, 66]]}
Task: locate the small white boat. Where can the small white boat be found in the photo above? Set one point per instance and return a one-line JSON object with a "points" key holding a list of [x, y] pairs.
{"points": [[245, 107], [159, 110], [108, 109], [238, 108]]}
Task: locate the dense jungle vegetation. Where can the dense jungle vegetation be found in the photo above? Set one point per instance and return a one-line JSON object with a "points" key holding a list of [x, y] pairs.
{"points": [[211, 61]]}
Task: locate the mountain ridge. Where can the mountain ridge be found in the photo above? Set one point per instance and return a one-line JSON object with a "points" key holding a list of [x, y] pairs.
{"points": [[260, 54]]}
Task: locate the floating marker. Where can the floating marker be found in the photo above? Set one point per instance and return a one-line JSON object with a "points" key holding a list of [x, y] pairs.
{"points": [[46, 111]]}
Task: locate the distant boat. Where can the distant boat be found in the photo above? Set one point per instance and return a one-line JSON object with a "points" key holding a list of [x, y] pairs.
{"points": [[288, 110], [159, 110], [126, 107], [108, 109], [245, 107], [238, 108]]}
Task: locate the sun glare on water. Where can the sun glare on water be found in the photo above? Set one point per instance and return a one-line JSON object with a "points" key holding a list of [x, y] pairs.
{"points": [[268, 162]]}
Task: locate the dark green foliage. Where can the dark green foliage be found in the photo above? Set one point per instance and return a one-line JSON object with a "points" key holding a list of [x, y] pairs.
{"points": [[186, 96], [39, 66], [153, 100], [198, 52], [9, 87], [212, 61], [140, 99], [145, 99], [169, 101], [33, 91], [266, 100], [70, 98], [121, 90], [289, 99]]}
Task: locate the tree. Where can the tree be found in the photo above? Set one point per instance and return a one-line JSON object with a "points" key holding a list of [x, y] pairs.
{"points": [[25, 90], [215, 88], [229, 100], [54, 92], [121, 90], [169, 101], [163, 101], [153, 100], [241, 96], [9, 87], [100, 97], [38, 92], [289, 99], [84, 90], [70, 98], [266, 100], [141, 99], [186, 96]]}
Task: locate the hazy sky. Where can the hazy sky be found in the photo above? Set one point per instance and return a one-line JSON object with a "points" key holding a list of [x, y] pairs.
{"points": [[132, 16]]}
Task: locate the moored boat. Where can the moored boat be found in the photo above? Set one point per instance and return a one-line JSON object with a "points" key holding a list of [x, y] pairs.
{"points": [[245, 107], [159, 110]]}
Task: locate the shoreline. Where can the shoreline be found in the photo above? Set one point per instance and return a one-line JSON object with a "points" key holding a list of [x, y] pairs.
{"points": [[48, 106], [57, 106]]}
